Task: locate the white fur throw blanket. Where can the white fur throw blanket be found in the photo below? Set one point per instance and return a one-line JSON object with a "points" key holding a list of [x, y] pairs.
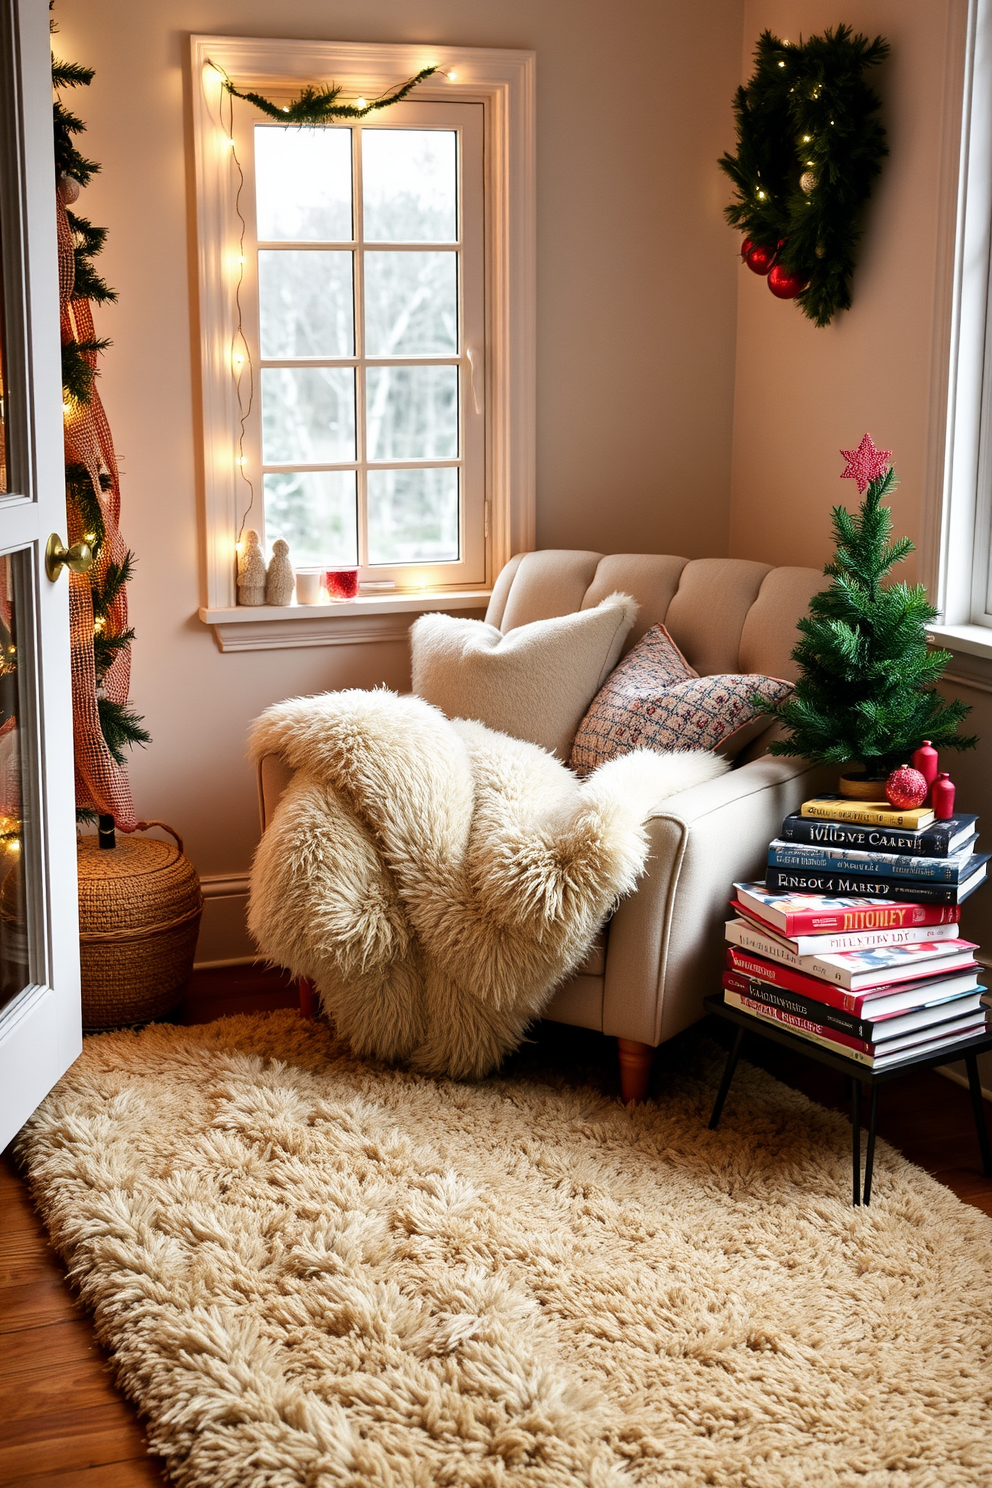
{"points": [[436, 880]]}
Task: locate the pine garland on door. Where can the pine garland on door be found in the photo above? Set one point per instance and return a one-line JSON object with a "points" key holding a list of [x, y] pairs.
{"points": [[809, 146], [104, 722], [866, 688]]}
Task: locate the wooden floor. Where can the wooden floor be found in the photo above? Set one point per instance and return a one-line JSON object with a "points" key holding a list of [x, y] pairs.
{"points": [[64, 1425]]}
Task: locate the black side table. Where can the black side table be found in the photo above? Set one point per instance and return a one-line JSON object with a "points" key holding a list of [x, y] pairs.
{"points": [[857, 1075]]}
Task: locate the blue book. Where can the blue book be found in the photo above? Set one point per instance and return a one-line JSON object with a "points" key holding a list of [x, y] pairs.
{"points": [[782, 854], [875, 886], [941, 840]]}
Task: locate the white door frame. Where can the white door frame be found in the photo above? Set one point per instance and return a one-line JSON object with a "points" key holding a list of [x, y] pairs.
{"points": [[40, 1030]]}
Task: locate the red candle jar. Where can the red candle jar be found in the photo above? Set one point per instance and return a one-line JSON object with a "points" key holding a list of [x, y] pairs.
{"points": [[925, 760], [942, 796], [341, 583]]}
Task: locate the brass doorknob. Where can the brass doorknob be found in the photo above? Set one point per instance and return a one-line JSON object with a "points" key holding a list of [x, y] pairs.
{"points": [[79, 557]]}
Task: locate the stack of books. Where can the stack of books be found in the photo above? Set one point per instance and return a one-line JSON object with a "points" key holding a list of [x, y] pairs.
{"points": [[852, 940]]}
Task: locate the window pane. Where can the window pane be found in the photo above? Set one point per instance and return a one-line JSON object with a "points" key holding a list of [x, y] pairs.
{"points": [[316, 511], [412, 413], [410, 179], [411, 304], [413, 516], [303, 183], [308, 415], [3, 401], [14, 973], [306, 303]]}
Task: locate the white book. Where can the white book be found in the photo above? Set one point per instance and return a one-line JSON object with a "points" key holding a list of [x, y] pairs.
{"points": [[750, 938]]}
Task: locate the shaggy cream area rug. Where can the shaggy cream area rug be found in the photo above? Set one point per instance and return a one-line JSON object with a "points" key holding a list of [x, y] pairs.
{"points": [[314, 1270]]}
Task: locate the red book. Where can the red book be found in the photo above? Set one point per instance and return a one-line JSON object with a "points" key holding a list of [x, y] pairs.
{"points": [[809, 986], [821, 914], [875, 1056]]}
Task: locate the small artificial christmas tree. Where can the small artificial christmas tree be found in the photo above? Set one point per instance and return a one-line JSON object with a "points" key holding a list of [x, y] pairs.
{"points": [[866, 686]]}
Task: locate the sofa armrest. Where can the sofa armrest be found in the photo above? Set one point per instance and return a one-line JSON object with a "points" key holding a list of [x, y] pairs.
{"points": [[665, 947]]}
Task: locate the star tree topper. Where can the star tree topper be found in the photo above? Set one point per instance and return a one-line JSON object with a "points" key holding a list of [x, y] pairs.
{"points": [[866, 463]]}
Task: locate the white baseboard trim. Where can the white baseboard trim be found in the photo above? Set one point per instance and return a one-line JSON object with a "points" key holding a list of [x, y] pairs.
{"points": [[224, 885], [229, 961], [951, 1074]]}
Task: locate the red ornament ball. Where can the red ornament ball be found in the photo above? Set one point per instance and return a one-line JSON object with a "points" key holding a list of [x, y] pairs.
{"points": [[746, 247], [785, 285], [760, 259], [906, 788]]}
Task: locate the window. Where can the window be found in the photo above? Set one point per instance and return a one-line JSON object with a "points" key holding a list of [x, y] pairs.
{"points": [[366, 320], [964, 580]]}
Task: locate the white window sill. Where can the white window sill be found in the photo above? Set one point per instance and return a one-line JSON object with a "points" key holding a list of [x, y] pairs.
{"points": [[972, 648], [974, 640], [351, 622]]}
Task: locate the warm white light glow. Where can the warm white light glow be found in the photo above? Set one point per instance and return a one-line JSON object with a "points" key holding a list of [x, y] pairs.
{"points": [[452, 77], [361, 103], [242, 461]]}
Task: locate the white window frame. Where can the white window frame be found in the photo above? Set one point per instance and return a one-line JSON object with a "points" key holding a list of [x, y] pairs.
{"points": [[504, 83], [963, 581]]}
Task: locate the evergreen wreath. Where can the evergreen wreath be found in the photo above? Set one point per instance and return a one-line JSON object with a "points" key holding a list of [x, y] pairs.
{"points": [[809, 145], [866, 690]]}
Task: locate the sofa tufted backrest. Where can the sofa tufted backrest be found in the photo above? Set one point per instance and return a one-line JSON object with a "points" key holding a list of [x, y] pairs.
{"points": [[725, 614]]}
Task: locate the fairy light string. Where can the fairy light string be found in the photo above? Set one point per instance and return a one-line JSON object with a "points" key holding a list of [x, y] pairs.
{"points": [[313, 106]]}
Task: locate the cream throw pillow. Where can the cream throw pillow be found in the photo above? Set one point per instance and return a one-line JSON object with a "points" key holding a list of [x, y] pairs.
{"points": [[534, 683]]}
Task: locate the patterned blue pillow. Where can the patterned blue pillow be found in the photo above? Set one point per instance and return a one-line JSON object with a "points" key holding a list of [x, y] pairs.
{"points": [[655, 700]]}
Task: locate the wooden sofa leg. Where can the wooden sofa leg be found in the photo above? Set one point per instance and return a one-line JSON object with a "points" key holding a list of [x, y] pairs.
{"points": [[309, 1003], [635, 1069]]}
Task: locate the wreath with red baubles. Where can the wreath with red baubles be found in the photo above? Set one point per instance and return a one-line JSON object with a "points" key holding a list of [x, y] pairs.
{"points": [[809, 145]]}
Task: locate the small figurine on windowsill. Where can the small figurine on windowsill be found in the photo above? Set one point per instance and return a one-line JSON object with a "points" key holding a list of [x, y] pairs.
{"points": [[251, 571], [279, 578]]}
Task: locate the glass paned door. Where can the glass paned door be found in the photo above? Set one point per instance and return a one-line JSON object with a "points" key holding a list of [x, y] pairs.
{"points": [[40, 1031]]}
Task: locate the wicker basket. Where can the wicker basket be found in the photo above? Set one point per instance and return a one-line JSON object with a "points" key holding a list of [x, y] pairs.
{"points": [[139, 915]]}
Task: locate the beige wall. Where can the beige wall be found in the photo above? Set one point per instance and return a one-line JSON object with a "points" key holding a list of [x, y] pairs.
{"points": [[802, 393], [636, 330]]}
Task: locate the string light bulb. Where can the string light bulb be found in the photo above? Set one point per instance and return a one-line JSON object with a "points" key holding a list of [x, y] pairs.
{"points": [[452, 77], [361, 103]]}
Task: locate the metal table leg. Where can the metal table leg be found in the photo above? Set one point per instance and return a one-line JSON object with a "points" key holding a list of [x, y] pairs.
{"points": [[978, 1107], [856, 1140], [728, 1075], [870, 1153]]}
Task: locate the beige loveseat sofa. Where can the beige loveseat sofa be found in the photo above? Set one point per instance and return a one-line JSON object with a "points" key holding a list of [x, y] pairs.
{"points": [[661, 953]]}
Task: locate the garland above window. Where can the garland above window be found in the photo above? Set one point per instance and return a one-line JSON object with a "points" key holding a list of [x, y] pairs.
{"points": [[809, 145], [320, 105]]}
